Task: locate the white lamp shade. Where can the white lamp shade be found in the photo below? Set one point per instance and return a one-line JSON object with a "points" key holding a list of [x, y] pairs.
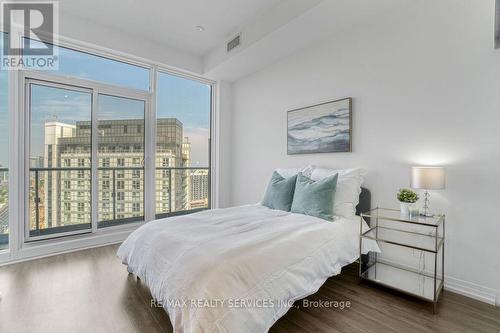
{"points": [[428, 178]]}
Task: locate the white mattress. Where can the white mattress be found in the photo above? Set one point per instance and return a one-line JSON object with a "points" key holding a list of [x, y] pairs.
{"points": [[237, 269]]}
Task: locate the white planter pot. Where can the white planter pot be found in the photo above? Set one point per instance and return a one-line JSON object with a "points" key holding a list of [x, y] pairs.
{"points": [[408, 210]]}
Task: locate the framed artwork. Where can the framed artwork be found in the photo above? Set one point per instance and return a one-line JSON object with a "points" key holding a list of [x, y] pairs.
{"points": [[320, 128]]}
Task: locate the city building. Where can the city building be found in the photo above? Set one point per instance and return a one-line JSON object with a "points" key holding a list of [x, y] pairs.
{"points": [[199, 189], [63, 196]]}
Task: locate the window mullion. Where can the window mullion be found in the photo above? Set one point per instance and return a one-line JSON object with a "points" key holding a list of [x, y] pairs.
{"points": [[94, 161], [150, 152]]}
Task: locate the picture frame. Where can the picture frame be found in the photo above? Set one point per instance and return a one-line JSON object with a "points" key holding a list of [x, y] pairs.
{"points": [[320, 128]]}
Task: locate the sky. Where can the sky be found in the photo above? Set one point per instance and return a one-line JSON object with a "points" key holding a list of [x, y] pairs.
{"points": [[186, 100]]}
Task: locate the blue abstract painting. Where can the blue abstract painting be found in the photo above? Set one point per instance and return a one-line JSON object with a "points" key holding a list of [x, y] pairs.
{"points": [[322, 128]]}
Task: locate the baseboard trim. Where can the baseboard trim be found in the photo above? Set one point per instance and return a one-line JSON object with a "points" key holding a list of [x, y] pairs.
{"points": [[472, 290]]}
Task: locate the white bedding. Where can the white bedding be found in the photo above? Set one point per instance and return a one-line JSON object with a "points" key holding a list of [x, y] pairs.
{"points": [[234, 267]]}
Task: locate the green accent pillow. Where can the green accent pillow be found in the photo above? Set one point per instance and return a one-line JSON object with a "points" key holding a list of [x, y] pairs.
{"points": [[279, 192], [314, 198]]}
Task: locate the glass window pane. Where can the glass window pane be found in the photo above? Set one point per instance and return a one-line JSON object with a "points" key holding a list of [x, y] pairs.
{"points": [[91, 67], [60, 153], [4, 157], [121, 155], [182, 144]]}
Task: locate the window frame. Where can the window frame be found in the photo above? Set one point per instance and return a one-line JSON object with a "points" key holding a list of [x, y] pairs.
{"points": [[19, 249], [213, 159], [95, 89]]}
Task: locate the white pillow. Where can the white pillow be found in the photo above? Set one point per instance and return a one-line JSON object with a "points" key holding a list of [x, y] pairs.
{"points": [[348, 188], [290, 172]]}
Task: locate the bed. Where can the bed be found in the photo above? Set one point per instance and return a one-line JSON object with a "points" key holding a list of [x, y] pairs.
{"points": [[238, 269]]}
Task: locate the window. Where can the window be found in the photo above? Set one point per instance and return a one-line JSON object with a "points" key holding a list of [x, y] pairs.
{"points": [[54, 124], [84, 65], [71, 120], [118, 116], [71, 137], [182, 142], [120, 208], [4, 157]]}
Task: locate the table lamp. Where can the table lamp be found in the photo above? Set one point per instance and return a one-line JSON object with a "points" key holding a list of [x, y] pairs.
{"points": [[427, 178]]}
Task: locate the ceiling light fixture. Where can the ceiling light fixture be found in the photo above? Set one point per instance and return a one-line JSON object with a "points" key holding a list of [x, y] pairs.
{"points": [[199, 28]]}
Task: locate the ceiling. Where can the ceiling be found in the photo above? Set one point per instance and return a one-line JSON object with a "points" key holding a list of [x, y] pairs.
{"points": [[270, 29], [171, 22]]}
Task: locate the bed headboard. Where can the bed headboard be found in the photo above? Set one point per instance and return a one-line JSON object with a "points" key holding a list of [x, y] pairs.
{"points": [[365, 199], [364, 205]]}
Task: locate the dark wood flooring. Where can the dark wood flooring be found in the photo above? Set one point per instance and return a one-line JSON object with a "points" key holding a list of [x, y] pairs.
{"points": [[90, 291]]}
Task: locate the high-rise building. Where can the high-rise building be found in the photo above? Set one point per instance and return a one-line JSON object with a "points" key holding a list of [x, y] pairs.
{"points": [[54, 131], [199, 189], [67, 200]]}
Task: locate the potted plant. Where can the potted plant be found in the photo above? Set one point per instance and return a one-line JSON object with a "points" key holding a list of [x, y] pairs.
{"points": [[407, 199]]}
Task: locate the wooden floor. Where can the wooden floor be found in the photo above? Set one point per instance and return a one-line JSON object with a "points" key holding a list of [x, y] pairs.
{"points": [[90, 291]]}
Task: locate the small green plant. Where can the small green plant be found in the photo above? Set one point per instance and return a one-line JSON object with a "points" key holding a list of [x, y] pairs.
{"points": [[407, 195]]}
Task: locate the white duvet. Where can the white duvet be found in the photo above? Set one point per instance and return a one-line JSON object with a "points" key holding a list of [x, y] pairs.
{"points": [[237, 269]]}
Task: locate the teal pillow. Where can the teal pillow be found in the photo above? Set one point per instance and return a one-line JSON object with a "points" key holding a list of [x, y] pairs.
{"points": [[279, 192], [314, 198]]}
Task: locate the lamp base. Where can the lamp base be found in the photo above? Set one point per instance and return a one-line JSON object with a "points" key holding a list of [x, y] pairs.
{"points": [[426, 213]]}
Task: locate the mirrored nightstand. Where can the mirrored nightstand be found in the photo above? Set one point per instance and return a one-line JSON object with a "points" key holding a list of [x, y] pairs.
{"points": [[411, 257]]}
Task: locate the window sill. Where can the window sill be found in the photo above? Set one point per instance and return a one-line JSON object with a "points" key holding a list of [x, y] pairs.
{"points": [[45, 248]]}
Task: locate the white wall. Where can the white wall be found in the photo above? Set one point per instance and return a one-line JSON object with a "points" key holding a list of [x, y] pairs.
{"points": [[425, 80], [224, 132]]}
